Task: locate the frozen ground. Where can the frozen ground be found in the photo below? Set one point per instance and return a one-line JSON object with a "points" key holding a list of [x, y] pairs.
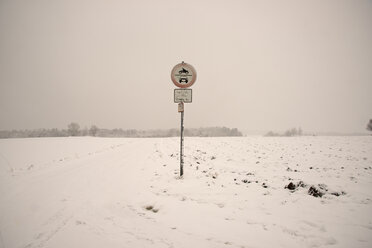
{"points": [[236, 192]]}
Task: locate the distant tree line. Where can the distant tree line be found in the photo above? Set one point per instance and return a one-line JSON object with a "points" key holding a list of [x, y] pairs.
{"points": [[289, 133], [213, 132], [73, 129]]}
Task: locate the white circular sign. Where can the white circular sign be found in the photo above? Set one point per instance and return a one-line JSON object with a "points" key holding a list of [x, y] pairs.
{"points": [[183, 75]]}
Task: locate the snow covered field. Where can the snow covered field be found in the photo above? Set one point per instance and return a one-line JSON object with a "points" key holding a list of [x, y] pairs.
{"points": [[236, 192]]}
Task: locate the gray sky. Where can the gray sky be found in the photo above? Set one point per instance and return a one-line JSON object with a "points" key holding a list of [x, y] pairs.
{"points": [[262, 65]]}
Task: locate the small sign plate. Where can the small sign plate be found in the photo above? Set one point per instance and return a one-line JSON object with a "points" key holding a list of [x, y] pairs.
{"points": [[183, 95], [181, 107]]}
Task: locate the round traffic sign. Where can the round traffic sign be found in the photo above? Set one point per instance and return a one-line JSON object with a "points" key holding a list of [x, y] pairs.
{"points": [[183, 75]]}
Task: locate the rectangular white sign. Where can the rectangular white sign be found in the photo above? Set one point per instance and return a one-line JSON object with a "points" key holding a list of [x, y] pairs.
{"points": [[183, 95]]}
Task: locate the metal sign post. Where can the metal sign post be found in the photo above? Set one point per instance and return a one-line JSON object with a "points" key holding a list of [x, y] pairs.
{"points": [[181, 148], [183, 76]]}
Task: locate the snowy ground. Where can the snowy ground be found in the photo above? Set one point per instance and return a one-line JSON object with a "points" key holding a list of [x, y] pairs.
{"points": [[236, 192]]}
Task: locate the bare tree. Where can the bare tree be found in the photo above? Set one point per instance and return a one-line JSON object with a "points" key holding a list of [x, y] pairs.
{"points": [[369, 125], [300, 132], [73, 129], [93, 130]]}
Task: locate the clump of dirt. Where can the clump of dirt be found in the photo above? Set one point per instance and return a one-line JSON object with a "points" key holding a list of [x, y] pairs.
{"points": [[290, 186], [151, 208], [246, 181], [293, 187], [338, 193], [315, 192]]}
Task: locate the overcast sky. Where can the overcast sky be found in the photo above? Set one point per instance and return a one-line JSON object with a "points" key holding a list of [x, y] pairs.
{"points": [[262, 65]]}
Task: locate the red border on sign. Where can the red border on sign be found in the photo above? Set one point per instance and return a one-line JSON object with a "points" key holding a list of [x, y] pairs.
{"points": [[183, 85]]}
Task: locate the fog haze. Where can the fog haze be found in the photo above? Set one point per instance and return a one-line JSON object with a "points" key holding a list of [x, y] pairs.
{"points": [[262, 65]]}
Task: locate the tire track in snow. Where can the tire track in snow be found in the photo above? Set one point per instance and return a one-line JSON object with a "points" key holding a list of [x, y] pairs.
{"points": [[43, 237]]}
